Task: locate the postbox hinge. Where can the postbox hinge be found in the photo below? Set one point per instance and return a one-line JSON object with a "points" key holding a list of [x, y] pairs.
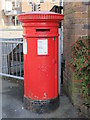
{"points": [[55, 61]]}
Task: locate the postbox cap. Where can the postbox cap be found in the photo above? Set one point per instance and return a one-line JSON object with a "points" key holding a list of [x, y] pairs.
{"points": [[40, 16]]}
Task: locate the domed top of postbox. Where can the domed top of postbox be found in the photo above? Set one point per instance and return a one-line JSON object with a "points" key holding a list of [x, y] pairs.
{"points": [[40, 16]]}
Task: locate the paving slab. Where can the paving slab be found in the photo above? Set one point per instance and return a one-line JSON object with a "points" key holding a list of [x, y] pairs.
{"points": [[12, 104]]}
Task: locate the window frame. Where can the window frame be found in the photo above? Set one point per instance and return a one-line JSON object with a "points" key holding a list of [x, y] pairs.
{"points": [[53, 1], [41, 2]]}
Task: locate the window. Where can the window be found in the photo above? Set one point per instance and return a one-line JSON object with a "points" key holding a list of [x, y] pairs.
{"points": [[29, 2], [8, 3], [41, 1], [35, 7], [15, 21], [54, 1]]}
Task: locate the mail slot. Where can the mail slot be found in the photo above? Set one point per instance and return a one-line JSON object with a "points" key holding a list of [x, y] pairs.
{"points": [[42, 30]]}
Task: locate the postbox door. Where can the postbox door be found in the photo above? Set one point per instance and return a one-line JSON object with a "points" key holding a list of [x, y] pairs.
{"points": [[41, 59]]}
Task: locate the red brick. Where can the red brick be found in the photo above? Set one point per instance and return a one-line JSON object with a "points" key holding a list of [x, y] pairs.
{"points": [[74, 23]]}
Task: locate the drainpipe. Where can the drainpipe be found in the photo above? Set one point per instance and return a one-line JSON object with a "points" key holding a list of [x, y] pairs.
{"points": [[15, 1], [60, 38]]}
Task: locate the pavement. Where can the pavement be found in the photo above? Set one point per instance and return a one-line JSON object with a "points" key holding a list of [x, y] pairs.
{"points": [[12, 103]]}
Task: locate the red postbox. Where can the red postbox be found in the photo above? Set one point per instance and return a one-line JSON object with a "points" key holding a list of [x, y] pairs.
{"points": [[40, 48]]}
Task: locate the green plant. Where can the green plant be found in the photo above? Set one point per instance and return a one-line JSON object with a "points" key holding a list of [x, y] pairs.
{"points": [[80, 64]]}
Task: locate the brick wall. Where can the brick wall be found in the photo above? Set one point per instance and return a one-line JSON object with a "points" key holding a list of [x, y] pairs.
{"points": [[75, 26]]}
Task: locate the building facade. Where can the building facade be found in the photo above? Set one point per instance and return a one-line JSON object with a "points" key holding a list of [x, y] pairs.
{"points": [[38, 5], [9, 9]]}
